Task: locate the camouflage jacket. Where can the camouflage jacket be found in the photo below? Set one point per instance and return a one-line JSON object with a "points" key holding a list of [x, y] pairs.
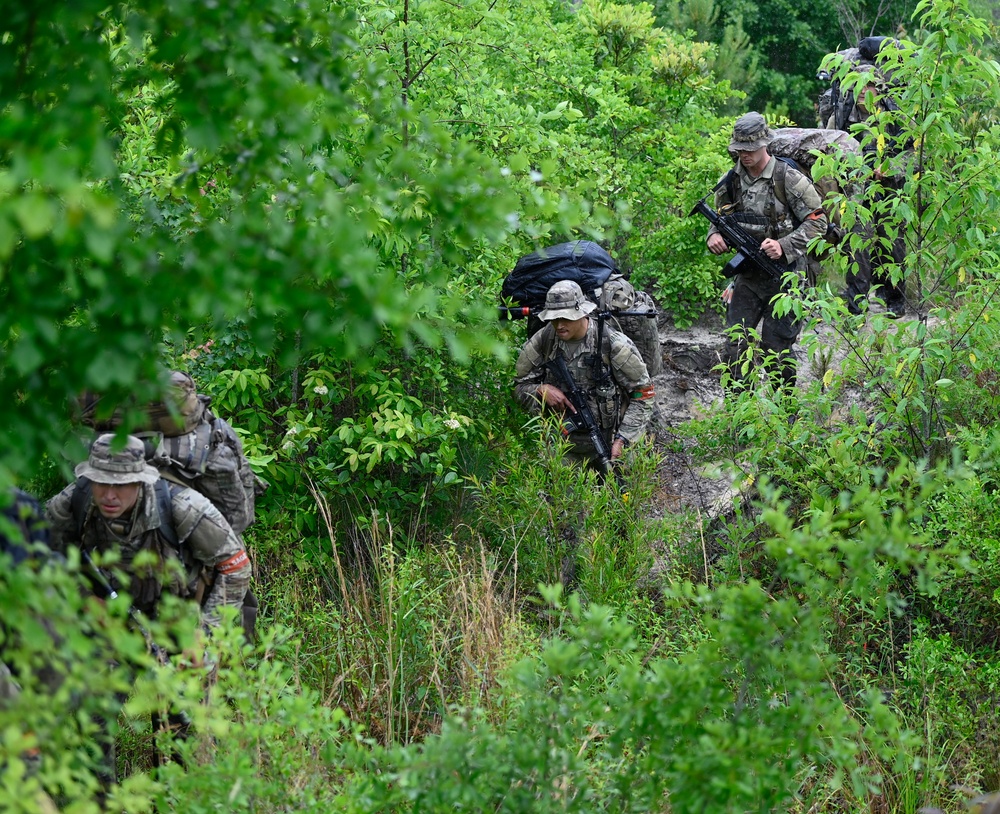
{"points": [[622, 407], [215, 569], [760, 210]]}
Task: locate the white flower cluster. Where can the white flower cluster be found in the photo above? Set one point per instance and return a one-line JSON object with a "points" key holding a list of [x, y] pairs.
{"points": [[321, 389], [452, 424]]}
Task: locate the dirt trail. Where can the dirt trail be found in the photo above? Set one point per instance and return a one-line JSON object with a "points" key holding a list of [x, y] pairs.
{"points": [[689, 388]]}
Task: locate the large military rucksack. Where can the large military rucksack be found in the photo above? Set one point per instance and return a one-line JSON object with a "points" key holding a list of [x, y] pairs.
{"points": [[836, 102], [193, 447], [210, 459], [801, 145], [595, 271]]}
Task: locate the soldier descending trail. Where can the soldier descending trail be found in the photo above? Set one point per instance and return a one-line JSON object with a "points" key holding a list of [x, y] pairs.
{"points": [[120, 502], [168, 539], [779, 226], [631, 310], [603, 364], [193, 447]]}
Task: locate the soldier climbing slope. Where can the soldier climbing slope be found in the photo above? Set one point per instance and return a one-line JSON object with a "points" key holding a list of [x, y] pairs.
{"points": [[603, 363]]}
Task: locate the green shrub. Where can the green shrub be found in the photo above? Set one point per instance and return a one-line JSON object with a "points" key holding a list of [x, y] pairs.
{"points": [[550, 520], [949, 694], [595, 723]]}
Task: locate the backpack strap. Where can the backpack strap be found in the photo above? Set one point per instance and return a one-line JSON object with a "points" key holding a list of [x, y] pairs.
{"points": [[843, 104], [80, 504], [778, 182], [164, 492], [194, 456]]}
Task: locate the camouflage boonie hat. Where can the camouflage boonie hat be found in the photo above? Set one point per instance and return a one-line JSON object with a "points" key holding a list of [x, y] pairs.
{"points": [[565, 300], [128, 465], [750, 133]]}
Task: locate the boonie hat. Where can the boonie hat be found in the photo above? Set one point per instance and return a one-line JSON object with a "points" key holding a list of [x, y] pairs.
{"points": [[127, 465], [565, 300], [750, 133]]}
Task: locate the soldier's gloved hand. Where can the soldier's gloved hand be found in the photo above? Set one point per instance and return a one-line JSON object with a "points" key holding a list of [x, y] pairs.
{"points": [[554, 398]]}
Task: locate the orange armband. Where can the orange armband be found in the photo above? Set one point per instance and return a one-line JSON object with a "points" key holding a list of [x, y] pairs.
{"points": [[644, 393], [234, 563], [816, 215]]}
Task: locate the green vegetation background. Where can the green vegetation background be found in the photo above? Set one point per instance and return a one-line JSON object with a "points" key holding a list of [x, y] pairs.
{"points": [[311, 206]]}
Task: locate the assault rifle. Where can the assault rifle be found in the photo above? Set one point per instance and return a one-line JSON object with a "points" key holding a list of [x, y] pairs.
{"points": [[583, 419], [103, 582], [746, 245]]}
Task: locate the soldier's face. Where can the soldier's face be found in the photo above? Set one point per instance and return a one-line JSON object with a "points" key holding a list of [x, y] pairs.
{"points": [[115, 499], [570, 330], [754, 160]]}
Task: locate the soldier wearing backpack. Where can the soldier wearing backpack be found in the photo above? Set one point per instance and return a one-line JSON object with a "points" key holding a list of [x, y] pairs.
{"points": [[610, 369], [778, 205], [119, 502], [857, 111], [191, 446]]}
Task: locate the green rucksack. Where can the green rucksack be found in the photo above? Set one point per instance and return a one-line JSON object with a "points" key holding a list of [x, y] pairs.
{"points": [[192, 447], [618, 295]]}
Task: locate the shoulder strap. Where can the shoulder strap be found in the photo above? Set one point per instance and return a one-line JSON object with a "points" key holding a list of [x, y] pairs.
{"points": [[779, 176], [165, 508], [778, 181], [79, 504], [548, 340], [842, 106], [602, 359]]}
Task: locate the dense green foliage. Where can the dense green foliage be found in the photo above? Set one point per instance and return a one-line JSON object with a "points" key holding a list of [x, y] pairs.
{"points": [[310, 207], [771, 49]]}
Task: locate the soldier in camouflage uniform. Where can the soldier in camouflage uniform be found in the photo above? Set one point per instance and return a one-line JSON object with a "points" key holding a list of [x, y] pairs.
{"points": [[885, 240], [785, 220], [622, 404], [116, 504]]}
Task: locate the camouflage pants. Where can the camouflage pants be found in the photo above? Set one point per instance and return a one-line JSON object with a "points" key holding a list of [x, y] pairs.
{"points": [[750, 303]]}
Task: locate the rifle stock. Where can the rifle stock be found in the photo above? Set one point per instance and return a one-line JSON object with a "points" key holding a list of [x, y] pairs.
{"points": [[746, 246]]}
